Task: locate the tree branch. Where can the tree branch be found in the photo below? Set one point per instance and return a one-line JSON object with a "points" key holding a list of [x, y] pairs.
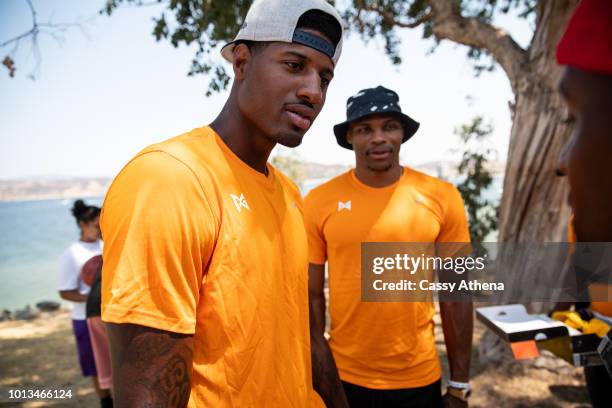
{"points": [[448, 23], [390, 19], [32, 31], [19, 37], [54, 30]]}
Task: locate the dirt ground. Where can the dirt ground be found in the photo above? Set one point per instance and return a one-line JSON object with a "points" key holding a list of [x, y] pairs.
{"points": [[543, 382], [41, 354]]}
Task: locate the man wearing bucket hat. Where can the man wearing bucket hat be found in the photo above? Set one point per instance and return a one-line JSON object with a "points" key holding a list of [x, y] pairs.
{"points": [[373, 344], [205, 289], [586, 85]]}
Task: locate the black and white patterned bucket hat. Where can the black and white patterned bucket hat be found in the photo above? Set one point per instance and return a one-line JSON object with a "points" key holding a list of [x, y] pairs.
{"points": [[373, 101]]}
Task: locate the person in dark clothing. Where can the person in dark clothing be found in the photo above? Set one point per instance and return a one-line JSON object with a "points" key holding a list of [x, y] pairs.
{"points": [[586, 86]]}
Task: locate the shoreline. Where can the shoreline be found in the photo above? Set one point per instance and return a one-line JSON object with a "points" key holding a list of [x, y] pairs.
{"points": [[52, 197], [30, 313]]}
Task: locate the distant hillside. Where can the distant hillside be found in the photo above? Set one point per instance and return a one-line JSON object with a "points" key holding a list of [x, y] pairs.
{"points": [[44, 188], [322, 171], [65, 187], [448, 169], [31, 189]]}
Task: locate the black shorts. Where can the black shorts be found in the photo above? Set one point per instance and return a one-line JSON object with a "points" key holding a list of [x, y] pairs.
{"points": [[429, 396]]}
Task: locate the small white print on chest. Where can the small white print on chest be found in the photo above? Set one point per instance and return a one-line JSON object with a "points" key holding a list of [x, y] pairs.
{"points": [[240, 202], [344, 205]]}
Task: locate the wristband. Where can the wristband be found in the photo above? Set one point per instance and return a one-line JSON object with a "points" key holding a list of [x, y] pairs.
{"points": [[459, 385]]}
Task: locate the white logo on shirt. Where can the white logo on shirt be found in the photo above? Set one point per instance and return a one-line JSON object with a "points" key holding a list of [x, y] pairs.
{"points": [[344, 206], [240, 202], [420, 199]]}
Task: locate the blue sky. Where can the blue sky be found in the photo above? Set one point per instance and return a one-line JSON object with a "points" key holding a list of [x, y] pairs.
{"points": [[103, 95]]}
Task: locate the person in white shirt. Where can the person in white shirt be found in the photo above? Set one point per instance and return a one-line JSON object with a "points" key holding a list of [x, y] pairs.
{"points": [[78, 262]]}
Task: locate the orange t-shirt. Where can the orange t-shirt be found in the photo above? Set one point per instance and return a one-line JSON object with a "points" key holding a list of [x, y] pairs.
{"points": [[386, 345], [198, 242]]}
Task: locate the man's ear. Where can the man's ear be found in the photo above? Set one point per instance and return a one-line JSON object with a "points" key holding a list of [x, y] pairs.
{"points": [[242, 56], [349, 137]]}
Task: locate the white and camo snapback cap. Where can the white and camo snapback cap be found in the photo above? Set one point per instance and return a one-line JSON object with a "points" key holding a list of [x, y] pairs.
{"points": [[275, 20]]}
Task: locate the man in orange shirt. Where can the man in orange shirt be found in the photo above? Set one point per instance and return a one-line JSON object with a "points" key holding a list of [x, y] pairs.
{"points": [[384, 352], [586, 85], [205, 288]]}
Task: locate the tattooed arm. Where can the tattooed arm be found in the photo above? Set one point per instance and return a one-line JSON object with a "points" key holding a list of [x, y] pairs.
{"points": [[151, 367], [325, 377]]}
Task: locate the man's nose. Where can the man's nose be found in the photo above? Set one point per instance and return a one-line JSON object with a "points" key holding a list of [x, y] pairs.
{"points": [[311, 89], [378, 136]]}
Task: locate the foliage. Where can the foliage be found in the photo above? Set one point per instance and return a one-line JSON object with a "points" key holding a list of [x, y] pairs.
{"points": [[483, 214], [9, 63], [205, 23], [210, 24]]}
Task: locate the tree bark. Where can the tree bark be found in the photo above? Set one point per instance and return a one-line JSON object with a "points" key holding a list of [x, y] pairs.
{"points": [[534, 201], [534, 204], [450, 24]]}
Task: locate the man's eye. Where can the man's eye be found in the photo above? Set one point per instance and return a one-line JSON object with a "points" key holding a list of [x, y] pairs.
{"points": [[569, 120], [293, 65], [325, 81], [392, 126]]}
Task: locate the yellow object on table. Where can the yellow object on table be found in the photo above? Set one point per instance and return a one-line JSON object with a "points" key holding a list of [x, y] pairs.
{"points": [[573, 319]]}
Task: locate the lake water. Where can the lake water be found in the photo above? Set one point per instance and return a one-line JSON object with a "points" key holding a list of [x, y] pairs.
{"points": [[33, 236]]}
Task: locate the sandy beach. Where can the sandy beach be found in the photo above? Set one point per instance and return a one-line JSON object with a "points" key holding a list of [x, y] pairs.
{"points": [[40, 354]]}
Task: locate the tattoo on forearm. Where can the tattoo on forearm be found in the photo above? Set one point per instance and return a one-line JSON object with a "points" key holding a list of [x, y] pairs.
{"points": [[158, 366], [149, 348], [171, 387]]}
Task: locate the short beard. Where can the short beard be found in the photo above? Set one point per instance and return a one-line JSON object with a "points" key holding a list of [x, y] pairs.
{"points": [[290, 141], [381, 170]]}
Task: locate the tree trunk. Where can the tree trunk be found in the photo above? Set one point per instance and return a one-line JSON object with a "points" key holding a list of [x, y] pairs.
{"points": [[534, 202]]}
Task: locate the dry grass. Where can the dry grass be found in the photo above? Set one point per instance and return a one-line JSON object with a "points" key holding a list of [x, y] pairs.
{"points": [[546, 381], [41, 354]]}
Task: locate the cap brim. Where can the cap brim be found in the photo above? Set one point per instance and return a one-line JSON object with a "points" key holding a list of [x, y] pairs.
{"points": [[340, 131], [410, 128], [227, 51]]}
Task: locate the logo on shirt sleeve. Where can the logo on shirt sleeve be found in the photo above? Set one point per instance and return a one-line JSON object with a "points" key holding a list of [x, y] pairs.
{"points": [[344, 206], [240, 202]]}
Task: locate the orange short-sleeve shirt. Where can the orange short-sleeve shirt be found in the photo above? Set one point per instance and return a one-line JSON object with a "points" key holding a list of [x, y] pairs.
{"points": [[198, 242], [386, 345]]}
